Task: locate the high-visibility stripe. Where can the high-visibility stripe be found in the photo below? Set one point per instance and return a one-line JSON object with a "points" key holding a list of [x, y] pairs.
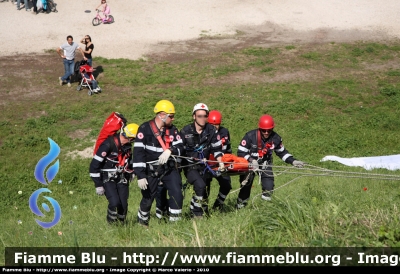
{"points": [[95, 175], [175, 211], [138, 144], [216, 144], [286, 156], [177, 142], [142, 217], [153, 148], [195, 204], [139, 165], [281, 149], [98, 158]]}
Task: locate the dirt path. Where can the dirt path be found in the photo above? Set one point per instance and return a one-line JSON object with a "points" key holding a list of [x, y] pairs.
{"points": [[143, 28]]}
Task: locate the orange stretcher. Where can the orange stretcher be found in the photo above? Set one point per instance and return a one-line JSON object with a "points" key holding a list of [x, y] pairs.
{"points": [[235, 165]]}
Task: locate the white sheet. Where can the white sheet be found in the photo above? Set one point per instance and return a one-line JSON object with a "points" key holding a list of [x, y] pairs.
{"points": [[390, 162]]}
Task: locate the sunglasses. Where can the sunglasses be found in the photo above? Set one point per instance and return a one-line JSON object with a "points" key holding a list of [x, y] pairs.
{"points": [[202, 116], [266, 130], [130, 138], [172, 116]]}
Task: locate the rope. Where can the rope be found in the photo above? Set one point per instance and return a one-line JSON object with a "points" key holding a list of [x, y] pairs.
{"points": [[303, 172]]}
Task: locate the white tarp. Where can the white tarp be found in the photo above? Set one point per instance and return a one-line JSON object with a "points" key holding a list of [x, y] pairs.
{"points": [[391, 162]]}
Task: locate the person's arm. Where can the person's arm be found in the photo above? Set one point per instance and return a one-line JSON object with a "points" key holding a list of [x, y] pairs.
{"points": [[83, 54], [139, 154], [97, 163], [244, 148], [59, 52], [216, 146]]}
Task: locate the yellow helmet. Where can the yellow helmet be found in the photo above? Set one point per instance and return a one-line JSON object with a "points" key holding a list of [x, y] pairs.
{"points": [[130, 130], [164, 105]]}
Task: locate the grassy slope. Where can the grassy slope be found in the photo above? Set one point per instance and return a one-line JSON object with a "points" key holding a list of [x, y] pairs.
{"points": [[329, 99]]}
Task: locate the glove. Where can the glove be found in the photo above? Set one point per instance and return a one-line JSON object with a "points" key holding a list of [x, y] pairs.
{"points": [[142, 183], [254, 164], [221, 167], [297, 163], [100, 190], [164, 156]]}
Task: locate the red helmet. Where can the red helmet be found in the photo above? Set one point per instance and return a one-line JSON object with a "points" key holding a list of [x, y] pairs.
{"points": [[215, 117], [266, 122]]}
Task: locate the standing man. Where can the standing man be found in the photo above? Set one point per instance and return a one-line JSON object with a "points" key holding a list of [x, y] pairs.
{"points": [[111, 172], [215, 119], [200, 140], [156, 141], [67, 52], [257, 147]]}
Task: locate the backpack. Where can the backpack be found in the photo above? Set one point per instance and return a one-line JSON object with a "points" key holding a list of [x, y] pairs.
{"points": [[114, 123]]}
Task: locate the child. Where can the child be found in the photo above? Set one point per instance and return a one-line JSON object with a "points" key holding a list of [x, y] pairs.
{"points": [[105, 10], [95, 87]]}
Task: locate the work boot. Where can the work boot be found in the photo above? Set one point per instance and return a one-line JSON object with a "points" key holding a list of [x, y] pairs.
{"points": [[241, 203], [266, 196]]}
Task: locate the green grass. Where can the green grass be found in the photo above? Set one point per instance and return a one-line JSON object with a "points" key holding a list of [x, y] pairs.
{"points": [[330, 99]]}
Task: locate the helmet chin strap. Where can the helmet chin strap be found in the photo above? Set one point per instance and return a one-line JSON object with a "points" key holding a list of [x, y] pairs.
{"points": [[164, 120], [199, 124]]}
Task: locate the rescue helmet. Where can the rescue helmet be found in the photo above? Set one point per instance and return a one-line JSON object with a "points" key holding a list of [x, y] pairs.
{"points": [[200, 106], [266, 122], [164, 105], [130, 131], [215, 117]]}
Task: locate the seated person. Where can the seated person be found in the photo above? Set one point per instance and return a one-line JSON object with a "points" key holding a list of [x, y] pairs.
{"points": [[91, 81]]}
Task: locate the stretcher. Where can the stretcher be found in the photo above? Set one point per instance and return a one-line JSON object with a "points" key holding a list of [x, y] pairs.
{"points": [[234, 166]]}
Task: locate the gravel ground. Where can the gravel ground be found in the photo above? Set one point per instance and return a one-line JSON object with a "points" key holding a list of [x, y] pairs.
{"points": [[146, 27]]}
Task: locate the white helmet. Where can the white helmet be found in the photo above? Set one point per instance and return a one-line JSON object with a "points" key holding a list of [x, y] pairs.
{"points": [[200, 106]]}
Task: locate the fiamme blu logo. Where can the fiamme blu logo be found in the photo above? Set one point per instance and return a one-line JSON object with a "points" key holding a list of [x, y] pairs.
{"points": [[40, 172]]}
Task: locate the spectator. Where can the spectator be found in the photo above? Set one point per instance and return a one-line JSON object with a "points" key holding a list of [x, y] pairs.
{"points": [[88, 49], [25, 5], [45, 10], [91, 81], [104, 9], [35, 9], [68, 56]]}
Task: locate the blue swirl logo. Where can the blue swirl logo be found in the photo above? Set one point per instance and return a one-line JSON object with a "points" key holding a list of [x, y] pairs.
{"points": [[50, 175], [45, 161]]}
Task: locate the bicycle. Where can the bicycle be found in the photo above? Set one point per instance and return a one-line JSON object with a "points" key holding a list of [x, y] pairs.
{"points": [[98, 20]]}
